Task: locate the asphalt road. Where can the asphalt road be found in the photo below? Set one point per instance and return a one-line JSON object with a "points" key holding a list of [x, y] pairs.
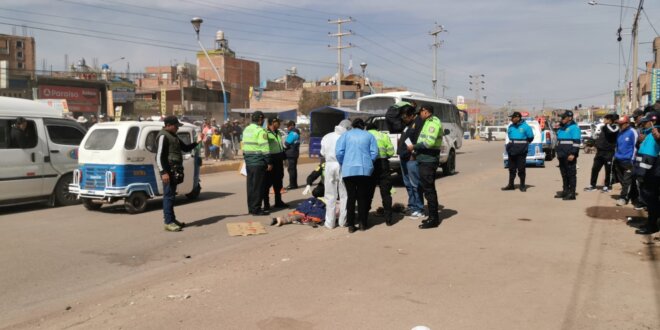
{"points": [[500, 260]]}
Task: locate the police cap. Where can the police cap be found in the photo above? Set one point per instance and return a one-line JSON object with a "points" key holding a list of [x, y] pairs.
{"points": [[257, 115], [567, 113]]}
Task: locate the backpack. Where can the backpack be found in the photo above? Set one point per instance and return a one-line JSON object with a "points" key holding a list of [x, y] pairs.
{"points": [[393, 117]]}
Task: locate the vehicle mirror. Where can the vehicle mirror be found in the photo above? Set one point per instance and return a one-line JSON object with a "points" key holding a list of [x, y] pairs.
{"points": [[447, 131]]}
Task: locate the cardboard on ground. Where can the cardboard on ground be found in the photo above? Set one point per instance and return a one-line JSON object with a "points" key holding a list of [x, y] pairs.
{"points": [[245, 228]]}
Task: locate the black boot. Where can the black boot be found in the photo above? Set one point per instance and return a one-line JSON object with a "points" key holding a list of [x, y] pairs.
{"points": [[431, 223], [388, 218], [523, 187], [562, 194], [508, 187], [570, 196]]}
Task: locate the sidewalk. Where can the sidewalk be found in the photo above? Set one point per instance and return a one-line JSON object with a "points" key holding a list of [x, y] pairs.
{"points": [[212, 166]]}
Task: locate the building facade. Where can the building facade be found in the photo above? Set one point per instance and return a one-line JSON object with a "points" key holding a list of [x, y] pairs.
{"points": [[17, 65]]}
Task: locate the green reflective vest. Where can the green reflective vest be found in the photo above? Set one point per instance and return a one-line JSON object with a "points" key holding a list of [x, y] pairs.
{"points": [[275, 143], [255, 145], [385, 147], [431, 135]]}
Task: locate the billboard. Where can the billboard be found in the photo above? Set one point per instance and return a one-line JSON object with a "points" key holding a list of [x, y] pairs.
{"points": [[77, 94], [655, 86]]}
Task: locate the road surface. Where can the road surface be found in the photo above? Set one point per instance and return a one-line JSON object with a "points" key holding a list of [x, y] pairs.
{"points": [[500, 260]]}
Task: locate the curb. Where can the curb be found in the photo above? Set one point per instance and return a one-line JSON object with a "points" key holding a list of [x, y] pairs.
{"points": [[235, 165]]}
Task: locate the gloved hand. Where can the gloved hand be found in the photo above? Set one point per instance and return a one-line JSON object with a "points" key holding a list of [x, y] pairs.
{"points": [[308, 188]]}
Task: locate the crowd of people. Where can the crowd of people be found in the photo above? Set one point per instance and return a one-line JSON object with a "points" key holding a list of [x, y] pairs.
{"points": [[355, 162], [627, 146]]}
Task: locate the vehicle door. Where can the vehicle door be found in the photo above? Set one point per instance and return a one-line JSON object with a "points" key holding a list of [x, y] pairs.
{"points": [[148, 142], [22, 161], [185, 135], [64, 137]]}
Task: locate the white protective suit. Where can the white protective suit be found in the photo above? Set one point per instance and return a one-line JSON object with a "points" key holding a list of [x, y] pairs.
{"points": [[333, 182]]}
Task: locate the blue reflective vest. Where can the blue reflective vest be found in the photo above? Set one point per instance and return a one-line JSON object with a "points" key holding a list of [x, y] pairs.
{"points": [[568, 138], [646, 161]]}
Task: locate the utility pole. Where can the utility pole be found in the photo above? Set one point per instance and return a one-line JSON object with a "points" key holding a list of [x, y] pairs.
{"points": [[339, 48], [635, 100], [436, 44], [476, 85]]}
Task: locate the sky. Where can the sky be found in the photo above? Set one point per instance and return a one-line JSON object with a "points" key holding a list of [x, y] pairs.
{"points": [[557, 53]]}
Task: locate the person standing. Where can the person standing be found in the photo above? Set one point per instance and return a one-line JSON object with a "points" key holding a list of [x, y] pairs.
{"points": [[624, 157], [275, 176], [409, 166], [216, 144], [356, 152], [427, 153], [169, 159], [381, 174], [568, 150], [333, 184], [490, 134], [647, 171], [256, 154], [207, 132], [292, 151], [605, 146], [520, 135], [236, 137]]}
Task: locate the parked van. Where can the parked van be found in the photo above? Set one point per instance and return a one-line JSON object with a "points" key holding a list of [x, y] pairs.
{"points": [[39, 167], [117, 162], [497, 132]]}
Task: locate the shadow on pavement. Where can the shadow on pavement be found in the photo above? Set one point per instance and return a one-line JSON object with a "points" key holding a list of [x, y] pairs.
{"points": [[210, 220]]}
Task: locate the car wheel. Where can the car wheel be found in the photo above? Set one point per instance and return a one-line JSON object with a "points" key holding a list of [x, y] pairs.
{"points": [[136, 202], [89, 204], [449, 168], [62, 195]]}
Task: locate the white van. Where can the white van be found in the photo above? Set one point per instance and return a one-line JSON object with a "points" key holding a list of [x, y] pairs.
{"points": [[42, 169], [497, 132]]}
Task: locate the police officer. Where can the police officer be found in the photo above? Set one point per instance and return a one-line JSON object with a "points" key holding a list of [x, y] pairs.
{"points": [[647, 171], [275, 176], [381, 174], [169, 159], [568, 149], [257, 162], [520, 135], [427, 153]]}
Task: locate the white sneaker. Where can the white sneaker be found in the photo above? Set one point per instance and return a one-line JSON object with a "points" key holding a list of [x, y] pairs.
{"points": [[606, 189], [589, 188], [621, 202], [416, 215]]}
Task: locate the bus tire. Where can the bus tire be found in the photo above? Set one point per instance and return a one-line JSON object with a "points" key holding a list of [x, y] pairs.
{"points": [[136, 202], [89, 204], [61, 193], [449, 168]]}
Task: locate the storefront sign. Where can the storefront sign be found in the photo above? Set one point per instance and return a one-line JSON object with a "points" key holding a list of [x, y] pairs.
{"points": [[87, 95]]}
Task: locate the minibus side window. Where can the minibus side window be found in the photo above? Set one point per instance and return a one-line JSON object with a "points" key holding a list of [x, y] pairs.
{"points": [[102, 139], [131, 138], [19, 139]]}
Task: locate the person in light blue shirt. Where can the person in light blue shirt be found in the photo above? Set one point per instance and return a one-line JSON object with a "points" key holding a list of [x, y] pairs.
{"points": [[520, 135], [292, 151], [568, 150], [356, 152], [647, 170]]}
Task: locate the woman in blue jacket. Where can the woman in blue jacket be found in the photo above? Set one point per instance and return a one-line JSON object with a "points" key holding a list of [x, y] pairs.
{"points": [[356, 152]]}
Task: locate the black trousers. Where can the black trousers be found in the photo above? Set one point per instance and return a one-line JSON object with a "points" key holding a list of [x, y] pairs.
{"points": [[625, 174], [357, 191], [568, 172], [427, 172], [274, 179], [381, 178], [602, 158], [650, 191], [518, 164], [256, 176], [292, 168]]}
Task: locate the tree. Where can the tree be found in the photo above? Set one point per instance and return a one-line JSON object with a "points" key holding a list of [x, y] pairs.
{"points": [[313, 100]]}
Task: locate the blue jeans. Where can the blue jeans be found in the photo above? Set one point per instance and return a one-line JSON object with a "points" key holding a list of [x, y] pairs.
{"points": [[410, 173], [169, 193]]}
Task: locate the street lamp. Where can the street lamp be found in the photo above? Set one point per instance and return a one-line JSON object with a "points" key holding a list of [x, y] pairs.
{"points": [[197, 24], [363, 65]]}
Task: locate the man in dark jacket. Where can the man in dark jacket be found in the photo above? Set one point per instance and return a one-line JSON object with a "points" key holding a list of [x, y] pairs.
{"points": [[605, 147], [169, 158], [409, 166], [292, 151]]}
